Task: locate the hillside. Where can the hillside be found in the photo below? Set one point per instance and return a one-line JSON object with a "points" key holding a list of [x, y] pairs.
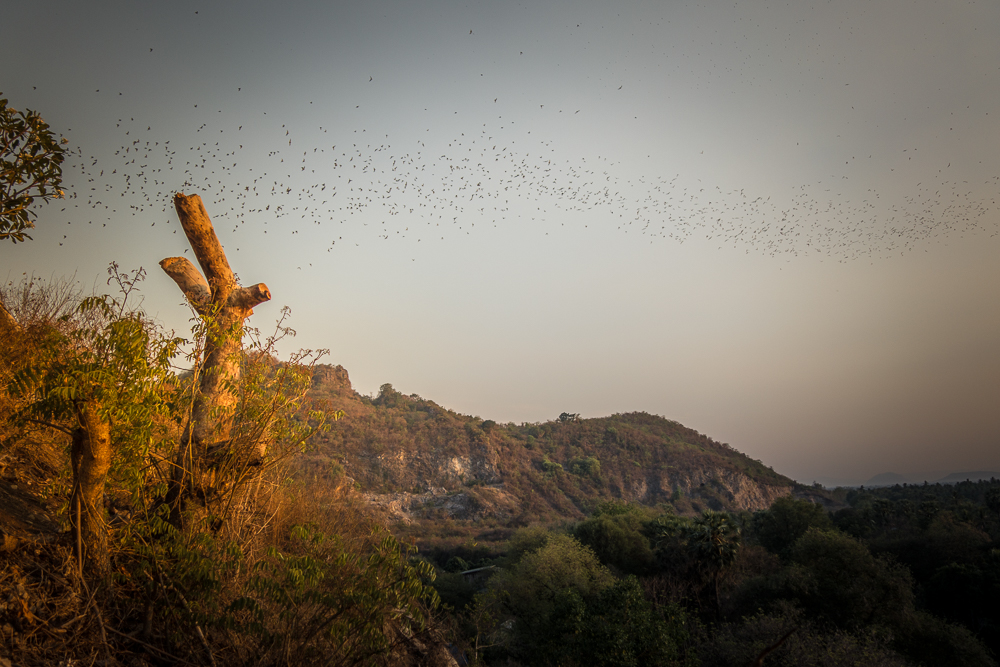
{"points": [[421, 461]]}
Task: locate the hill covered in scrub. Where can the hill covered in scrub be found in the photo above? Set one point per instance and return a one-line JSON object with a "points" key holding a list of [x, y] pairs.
{"points": [[421, 461]]}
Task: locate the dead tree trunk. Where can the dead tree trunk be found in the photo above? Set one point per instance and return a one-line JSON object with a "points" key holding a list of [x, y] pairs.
{"points": [[207, 451], [91, 460], [90, 456]]}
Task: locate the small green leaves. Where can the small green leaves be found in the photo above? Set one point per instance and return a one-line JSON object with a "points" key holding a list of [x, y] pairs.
{"points": [[31, 160]]}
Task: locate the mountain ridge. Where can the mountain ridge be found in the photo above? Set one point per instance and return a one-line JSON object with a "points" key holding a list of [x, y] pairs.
{"points": [[419, 461]]}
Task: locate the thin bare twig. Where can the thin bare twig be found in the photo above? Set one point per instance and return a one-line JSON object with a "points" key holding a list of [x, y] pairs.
{"points": [[760, 658], [151, 647]]}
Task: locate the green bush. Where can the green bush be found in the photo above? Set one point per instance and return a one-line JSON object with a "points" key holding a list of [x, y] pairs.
{"points": [[588, 466], [551, 467], [619, 541]]}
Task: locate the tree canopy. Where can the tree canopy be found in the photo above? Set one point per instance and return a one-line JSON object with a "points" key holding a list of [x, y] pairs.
{"points": [[31, 158]]}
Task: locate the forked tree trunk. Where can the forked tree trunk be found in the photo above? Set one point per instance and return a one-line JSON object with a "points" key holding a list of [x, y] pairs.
{"points": [[208, 455], [91, 460]]}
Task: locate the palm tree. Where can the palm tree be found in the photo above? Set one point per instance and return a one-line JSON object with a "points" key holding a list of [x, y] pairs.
{"points": [[714, 540]]}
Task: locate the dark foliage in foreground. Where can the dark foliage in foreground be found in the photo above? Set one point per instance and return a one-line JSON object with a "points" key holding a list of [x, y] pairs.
{"points": [[782, 586]]}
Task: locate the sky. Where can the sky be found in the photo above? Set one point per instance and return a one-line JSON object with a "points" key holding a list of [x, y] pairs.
{"points": [[774, 222]]}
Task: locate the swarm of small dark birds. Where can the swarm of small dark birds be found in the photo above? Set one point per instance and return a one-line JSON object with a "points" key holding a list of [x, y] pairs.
{"points": [[420, 189]]}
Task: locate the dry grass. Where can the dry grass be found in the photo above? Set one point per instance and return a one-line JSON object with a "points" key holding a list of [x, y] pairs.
{"points": [[47, 610], [172, 595]]}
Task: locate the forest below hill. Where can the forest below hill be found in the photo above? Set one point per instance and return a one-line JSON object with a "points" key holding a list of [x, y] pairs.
{"points": [[900, 577]]}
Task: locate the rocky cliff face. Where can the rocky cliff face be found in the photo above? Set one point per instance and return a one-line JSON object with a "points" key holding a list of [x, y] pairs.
{"points": [[728, 488], [419, 461], [479, 504], [492, 501], [428, 469], [333, 379]]}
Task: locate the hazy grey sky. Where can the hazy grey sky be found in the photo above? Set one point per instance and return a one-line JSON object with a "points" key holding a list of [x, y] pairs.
{"points": [[773, 222]]}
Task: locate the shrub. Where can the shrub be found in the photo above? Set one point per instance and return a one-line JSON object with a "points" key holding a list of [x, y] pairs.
{"points": [[551, 467], [588, 466]]}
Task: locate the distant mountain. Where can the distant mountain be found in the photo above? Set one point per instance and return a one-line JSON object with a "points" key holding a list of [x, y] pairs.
{"points": [[420, 461], [977, 476]]}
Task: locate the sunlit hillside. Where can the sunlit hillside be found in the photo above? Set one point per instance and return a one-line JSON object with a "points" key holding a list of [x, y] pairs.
{"points": [[422, 461]]}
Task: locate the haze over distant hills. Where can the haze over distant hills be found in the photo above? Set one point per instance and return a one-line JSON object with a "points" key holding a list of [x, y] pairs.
{"points": [[891, 478]]}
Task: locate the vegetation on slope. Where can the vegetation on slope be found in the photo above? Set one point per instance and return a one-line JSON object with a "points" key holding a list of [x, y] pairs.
{"points": [[512, 474]]}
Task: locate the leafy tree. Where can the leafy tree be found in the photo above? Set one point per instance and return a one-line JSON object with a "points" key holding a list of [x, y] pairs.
{"points": [[837, 581], [525, 541], [855, 521], [486, 618], [702, 549], [623, 630], [847, 585], [454, 590], [388, 397], [31, 158], [547, 591], [931, 641], [946, 540], [618, 508], [967, 594], [618, 540], [714, 540], [563, 607], [551, 467], [788, 518]]}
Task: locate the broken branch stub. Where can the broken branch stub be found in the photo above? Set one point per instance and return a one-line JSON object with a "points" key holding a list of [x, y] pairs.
{"points": [[223, 306], [191, 282], [245, 298]]}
